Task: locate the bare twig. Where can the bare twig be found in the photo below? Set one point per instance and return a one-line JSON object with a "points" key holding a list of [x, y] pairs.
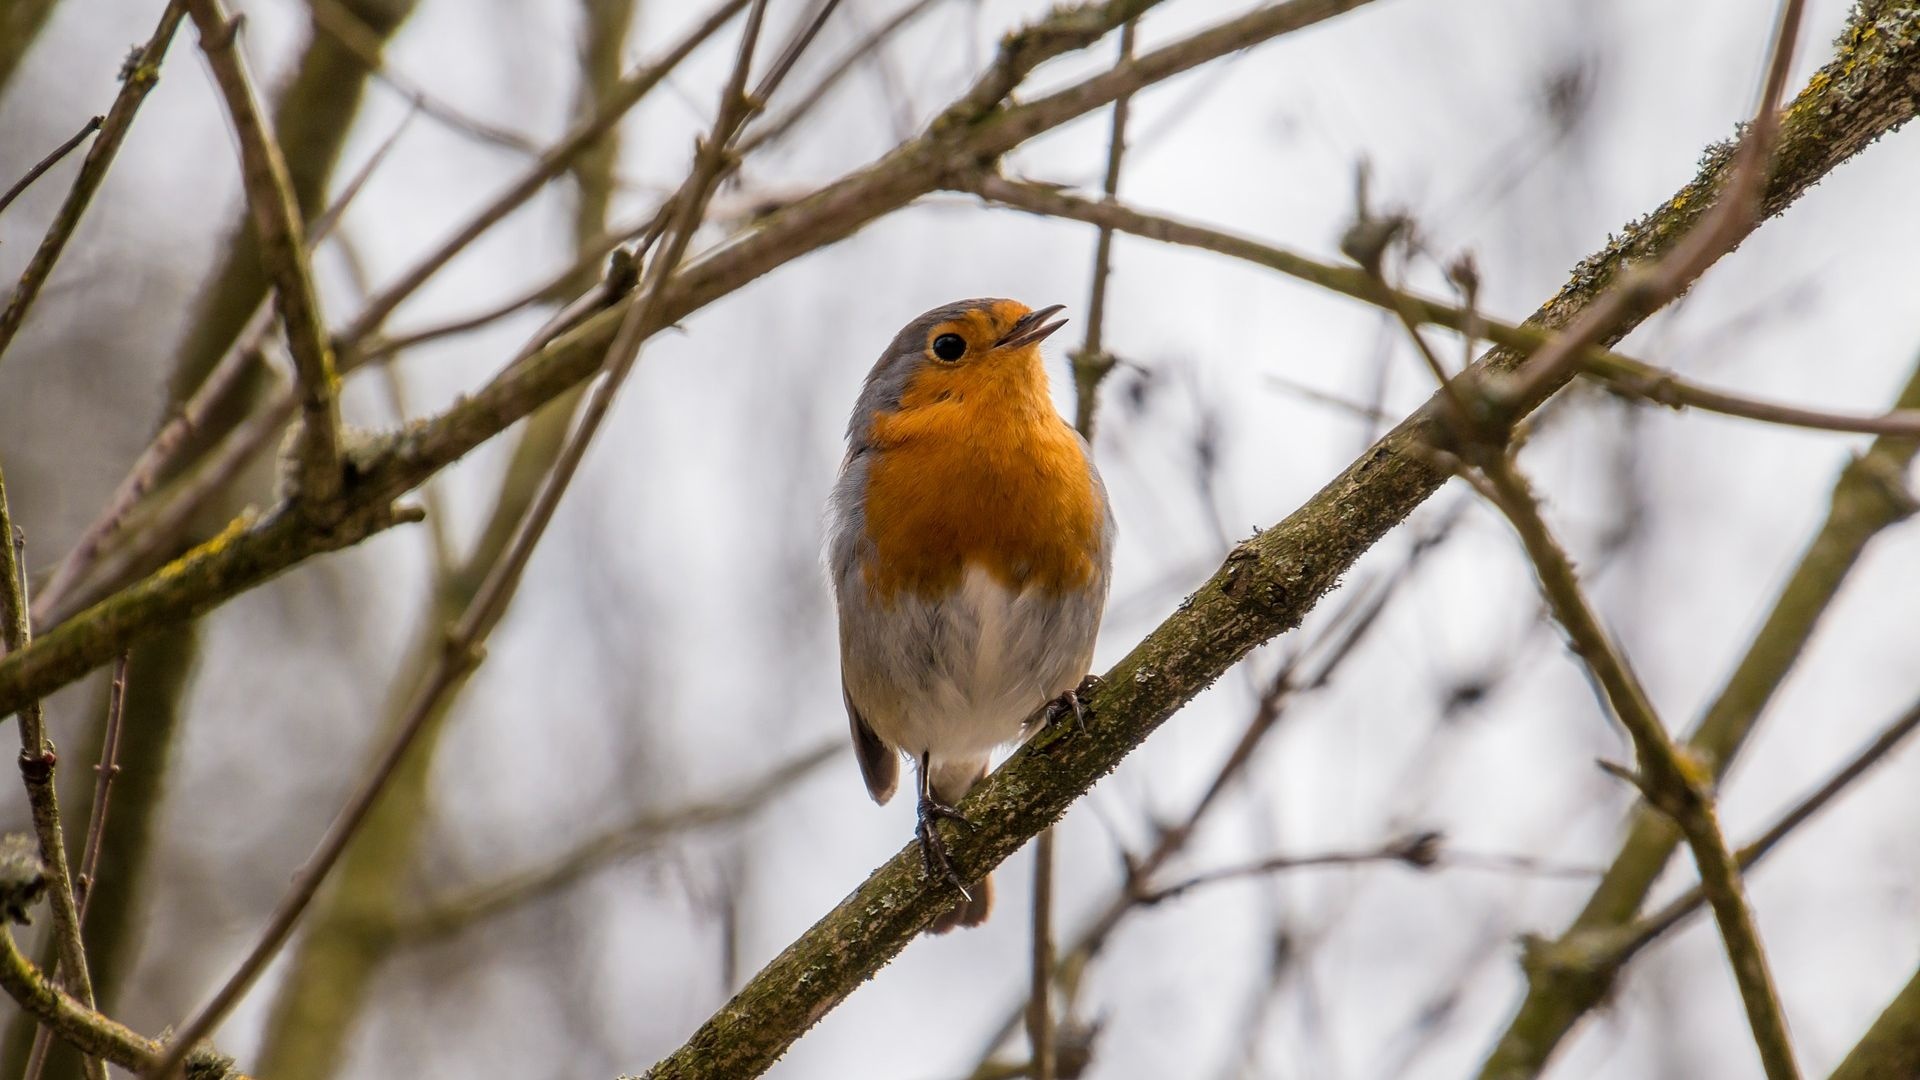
{"points": [[278, 224], [1867, 498], [138, 77], [1671, 782], [643, 832], [105, 773], [1622, 944], [37, 760], [1420, 850], [1663, 387], [1730, 219], [48, 162], [367, 45], [1092, 363], [380, 347], [467, 637], [550, 165], [1040, 967], [1621, 373], [53, 603], [777, 127]]}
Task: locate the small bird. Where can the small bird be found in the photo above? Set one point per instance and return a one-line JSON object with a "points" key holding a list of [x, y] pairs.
{"points": [[971, 546]]}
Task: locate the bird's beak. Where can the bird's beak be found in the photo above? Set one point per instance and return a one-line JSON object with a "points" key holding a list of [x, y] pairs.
{"points": [[1031, 328]]}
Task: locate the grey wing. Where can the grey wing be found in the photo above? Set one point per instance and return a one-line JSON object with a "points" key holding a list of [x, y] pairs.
{"points": [[879, 762]]}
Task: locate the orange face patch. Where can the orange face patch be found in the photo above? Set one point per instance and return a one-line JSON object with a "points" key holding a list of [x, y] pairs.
{"points": [[977, 330], [977, 467]]}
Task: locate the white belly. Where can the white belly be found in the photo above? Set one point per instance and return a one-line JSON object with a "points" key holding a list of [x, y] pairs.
{"points": [[970, 670]]}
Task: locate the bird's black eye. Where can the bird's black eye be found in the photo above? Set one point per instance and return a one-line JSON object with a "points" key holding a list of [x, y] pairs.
{"points": [[949, 347]]}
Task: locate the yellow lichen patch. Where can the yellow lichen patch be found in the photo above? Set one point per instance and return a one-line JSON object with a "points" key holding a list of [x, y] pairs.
{"points": [[213, 546]]}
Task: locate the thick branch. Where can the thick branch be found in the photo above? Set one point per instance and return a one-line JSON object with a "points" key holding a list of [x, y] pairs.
{"points": [[93, 1033], [1266, 586]]}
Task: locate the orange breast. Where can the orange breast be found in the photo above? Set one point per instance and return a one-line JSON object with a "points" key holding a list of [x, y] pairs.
{"points": [[976, 467]]}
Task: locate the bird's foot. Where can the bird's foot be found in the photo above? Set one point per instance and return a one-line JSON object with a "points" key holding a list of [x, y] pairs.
{"points": [[1069, 704], [934, 849]]}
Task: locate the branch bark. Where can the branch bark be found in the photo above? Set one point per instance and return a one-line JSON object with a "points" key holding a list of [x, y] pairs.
{"points": [[1891, 1047], [1266, 586], [278, 227]]}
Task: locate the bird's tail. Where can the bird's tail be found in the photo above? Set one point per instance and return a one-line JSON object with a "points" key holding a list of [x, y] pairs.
{"points": [[951, 782]]}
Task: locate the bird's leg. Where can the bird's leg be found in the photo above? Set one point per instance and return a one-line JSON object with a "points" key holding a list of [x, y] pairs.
{"points": [[932, 848], [1069, 704]]}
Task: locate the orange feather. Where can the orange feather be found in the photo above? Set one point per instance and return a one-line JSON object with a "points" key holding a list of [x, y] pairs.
{"points": [[977, 467]]}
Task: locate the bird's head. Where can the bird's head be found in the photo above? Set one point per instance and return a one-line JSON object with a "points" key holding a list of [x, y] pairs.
{"points": [[983, 349]]}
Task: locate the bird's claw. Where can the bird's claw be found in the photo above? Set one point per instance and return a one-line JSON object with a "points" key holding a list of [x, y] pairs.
{"points": [[1069, 704], [933, 849]]}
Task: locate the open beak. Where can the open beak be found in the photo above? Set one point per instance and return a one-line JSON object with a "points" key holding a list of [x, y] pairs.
{"points": [[1031, 328]]}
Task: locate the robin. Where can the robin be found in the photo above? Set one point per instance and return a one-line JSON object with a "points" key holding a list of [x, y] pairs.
{"points": [[971, 546]]}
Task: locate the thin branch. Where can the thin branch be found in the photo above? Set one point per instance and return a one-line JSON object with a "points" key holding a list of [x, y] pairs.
{"points": [[467, 637], [278, 225], [367, 45], [1663, 387], [1623, 943], [1621, 373], [37, 760], [104, 775], [774, 129], [381, 347], [1422, 851], [1040, 964], [1672, 783], [645, 831], [1734, 214], [1092, 363], [48, 162], [549, 166], [136, 78], [1867, 498]]}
